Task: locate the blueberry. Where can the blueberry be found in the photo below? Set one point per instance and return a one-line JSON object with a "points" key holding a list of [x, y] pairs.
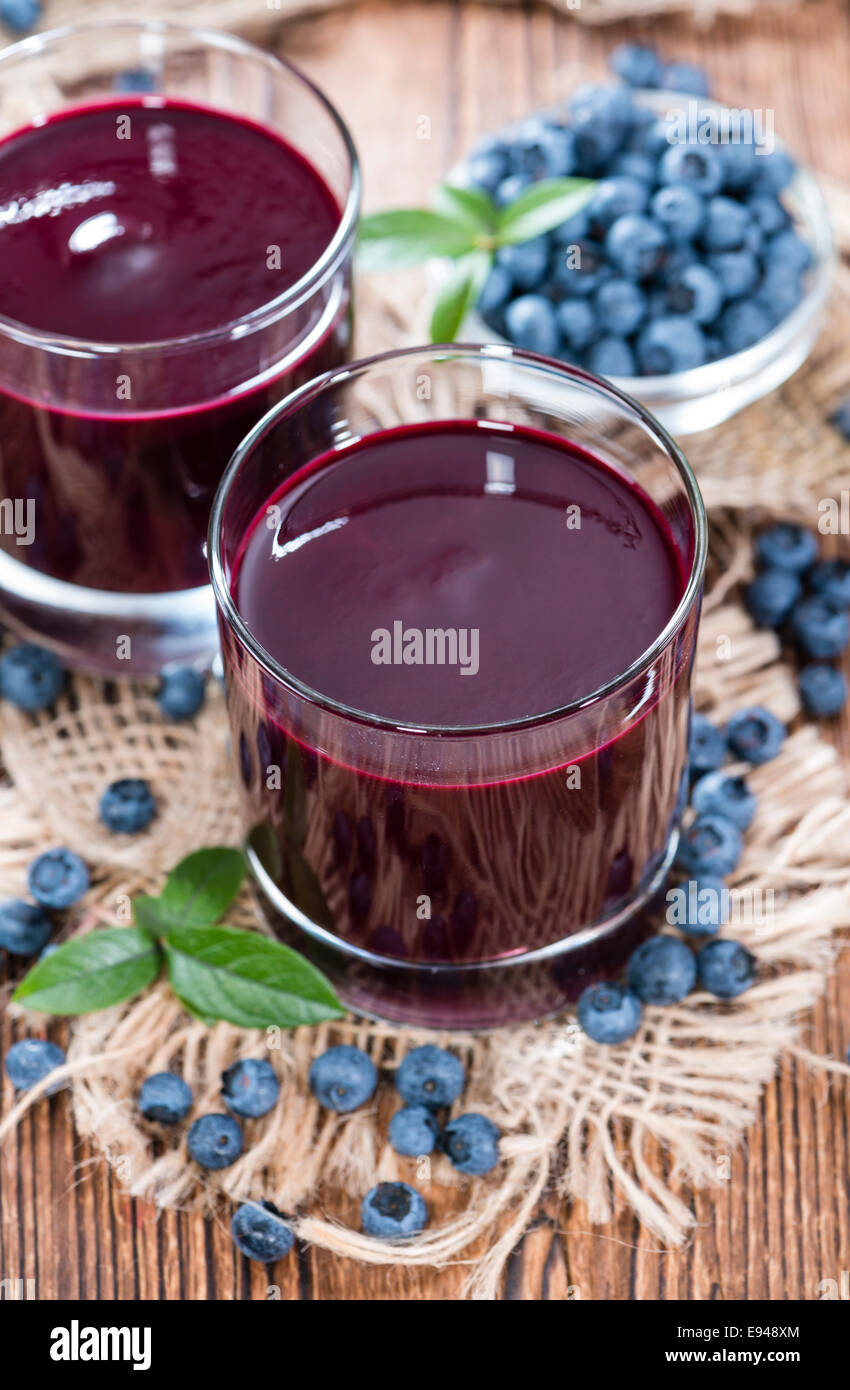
{"points": [[430, 1076], [542, 150], [710, 845], [215, 1141], [788, 248], [531, 324], [393, 1210], [636, 64], [165, 1098], [679, 259], [767, 212], [608, 1013], [670, 344], [249, 1087], [58, 878], [181, 693], [776, 169], [718, 793], [680, 210], [662, 970], [413, 1131], [725, 968], [726, 224], [611, 357], [600, 118], [780, 292], [359, 897], [260, 1232], [787, 546], [744, 323], [636, 165], [696, 292], [831, 578], [573, 230], [707, 746], [342, 838], [823, 690], [526, 263], [620, 306], [495, 291], [755, 735], [472, 1144], [24, 927], [134, 80], [737, 271], [30, 677], [636, 246], [706, 905], [127, 806], [612, 198], [29, 1061], [487, 169], [820, 628], [20, 15], [686, 77], [577, 324], [343, 1078], [771, 596], [697, 165], [510, 188], [840, 419], [740, 164], [581, 269], [654, 138]]}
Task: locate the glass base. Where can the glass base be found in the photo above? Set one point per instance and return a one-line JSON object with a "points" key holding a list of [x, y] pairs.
{"points": [[112, 634], [493, 993]]}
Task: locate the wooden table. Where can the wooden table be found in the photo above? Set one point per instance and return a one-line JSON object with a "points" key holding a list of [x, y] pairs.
{"points": [[782, 1221]]}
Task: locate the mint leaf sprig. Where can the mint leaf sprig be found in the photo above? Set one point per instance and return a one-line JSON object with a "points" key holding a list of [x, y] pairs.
{"points": [[467, 226], [217, 972]]}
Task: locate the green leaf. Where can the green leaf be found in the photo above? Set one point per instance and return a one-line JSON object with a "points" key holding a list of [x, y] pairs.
{"points": [[458, 296], [540, 208], [202, 886], [92, 972], [148, 914], [246, 979], [409, 236], [470, 205]]}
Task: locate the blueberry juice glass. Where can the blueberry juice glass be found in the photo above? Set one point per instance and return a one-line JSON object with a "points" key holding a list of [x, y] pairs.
{"points": [[177, 217], [458, 591]]}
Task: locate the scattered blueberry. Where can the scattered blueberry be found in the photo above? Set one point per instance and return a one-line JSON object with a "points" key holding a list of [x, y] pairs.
{"points": [[413, 1131], [134, 80], [608, 1013], [755, 735], [343, 1078], [430, 1076], [771, 596], [707, 745], [29, 1061], [127, 806], [165, 1098], [20, 15], [215, 1141], [637, 65], [670, 344], [787, 546], [249, 1087], [840, 418], [711, 844], [24, 927], [260, 1232], [30, 677], [831, 579], [58, 878], [662, 970], [725, 968], [821, 628], [181, 693], [393, 1210], [706, 901], [823, 690], [472, 1144], [718, 793]]}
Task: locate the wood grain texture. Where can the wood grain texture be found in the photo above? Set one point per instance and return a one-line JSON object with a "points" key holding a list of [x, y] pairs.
{"points": [[780, 1222]]}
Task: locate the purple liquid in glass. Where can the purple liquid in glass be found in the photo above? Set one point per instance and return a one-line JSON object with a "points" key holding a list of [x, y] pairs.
{"points": [[568, 574], [164, 233]]}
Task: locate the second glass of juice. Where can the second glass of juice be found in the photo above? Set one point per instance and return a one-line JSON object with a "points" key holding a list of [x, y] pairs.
{"points": [[177, 217], [459, 592]]}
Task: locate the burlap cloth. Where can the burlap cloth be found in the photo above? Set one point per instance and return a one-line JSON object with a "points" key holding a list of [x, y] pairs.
{"points": [[691, 1079]]}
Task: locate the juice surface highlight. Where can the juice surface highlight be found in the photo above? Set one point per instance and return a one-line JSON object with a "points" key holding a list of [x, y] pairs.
{"points": [[137, 221]]}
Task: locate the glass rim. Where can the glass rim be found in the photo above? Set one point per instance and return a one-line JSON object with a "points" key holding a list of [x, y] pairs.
{"points": [[273, 309], [494, 352]]}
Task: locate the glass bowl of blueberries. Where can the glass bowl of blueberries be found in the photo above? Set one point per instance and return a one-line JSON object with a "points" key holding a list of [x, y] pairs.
{"points": [[695, 277]]}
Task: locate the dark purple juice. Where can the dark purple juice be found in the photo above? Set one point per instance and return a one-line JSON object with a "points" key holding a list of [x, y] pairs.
{"points": [[460, 581], [141, 222]]}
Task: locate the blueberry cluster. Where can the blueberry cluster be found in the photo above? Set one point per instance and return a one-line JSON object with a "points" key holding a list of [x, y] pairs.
{"points": [[684, 254], [807, 600], [57, 879], [664, 969]]}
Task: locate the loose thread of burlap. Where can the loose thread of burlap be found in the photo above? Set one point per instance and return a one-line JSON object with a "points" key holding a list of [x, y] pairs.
{"points": [[689, 1082]]}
